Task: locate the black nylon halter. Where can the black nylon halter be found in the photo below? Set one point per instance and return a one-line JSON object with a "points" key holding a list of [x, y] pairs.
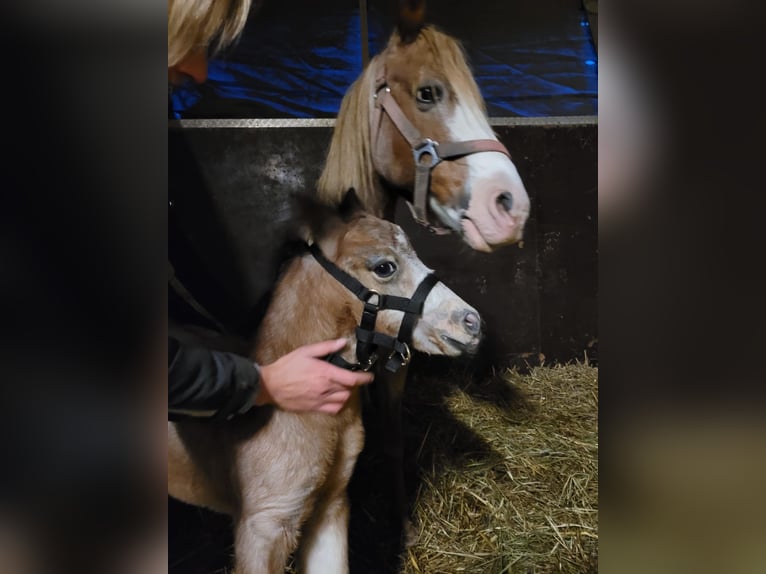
{"points": [[370, 342]]}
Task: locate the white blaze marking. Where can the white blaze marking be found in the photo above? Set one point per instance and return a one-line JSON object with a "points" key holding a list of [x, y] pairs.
{"points": [[468, 123]]}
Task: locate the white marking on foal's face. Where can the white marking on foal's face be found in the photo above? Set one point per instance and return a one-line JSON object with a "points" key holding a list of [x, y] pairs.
{"points": [[441, 329]]}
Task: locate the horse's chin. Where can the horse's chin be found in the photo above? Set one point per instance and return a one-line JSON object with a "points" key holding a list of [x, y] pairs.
{"points": [[473, 237], [458, 348]]}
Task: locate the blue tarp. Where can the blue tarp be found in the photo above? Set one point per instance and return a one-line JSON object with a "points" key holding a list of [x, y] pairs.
{"points": [[530, 58]]}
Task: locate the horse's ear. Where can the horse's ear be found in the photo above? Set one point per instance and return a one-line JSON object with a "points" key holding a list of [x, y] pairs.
{"points": [[411, 18], [311, 218], [351, 205]]}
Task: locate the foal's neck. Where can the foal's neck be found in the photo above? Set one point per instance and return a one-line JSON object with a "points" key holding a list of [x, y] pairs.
{"points": [[308, 306]]}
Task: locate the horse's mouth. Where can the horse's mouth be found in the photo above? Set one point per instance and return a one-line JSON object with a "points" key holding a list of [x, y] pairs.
{"points": [[473, 236], [464, 348], [448, 217]]}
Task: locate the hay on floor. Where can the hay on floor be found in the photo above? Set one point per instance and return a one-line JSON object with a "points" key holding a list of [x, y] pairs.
{"points": [[528, 501]]}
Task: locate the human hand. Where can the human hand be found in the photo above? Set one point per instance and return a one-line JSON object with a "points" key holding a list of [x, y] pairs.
{"points": [[301, 381]]}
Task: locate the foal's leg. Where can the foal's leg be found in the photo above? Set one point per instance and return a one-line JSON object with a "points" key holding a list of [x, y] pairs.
{"points": [[324, 546], [265, 540]]}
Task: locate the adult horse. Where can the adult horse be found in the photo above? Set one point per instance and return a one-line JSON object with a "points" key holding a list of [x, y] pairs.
{"points": [[282, 475], [414, 125]]}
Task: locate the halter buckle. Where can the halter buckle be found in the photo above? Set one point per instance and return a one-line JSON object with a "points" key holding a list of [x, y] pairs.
{"points": [[378, 90], [406, 356], [372, 293], [428, 147], [371, 360]]}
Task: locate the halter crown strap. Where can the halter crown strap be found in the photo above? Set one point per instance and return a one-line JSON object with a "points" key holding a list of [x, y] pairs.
{"points": [[388, 103], [360, 291]]}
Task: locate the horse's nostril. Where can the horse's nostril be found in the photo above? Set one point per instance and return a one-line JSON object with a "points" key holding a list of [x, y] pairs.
{"points": [[472, 322], [506, 200]]}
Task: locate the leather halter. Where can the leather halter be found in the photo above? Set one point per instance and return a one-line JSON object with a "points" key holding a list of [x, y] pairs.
{"points": [[370, 343], [427, 153]]}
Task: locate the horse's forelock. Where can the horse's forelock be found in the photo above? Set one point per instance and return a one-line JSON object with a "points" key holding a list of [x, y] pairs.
{"points": [[450, 55], [450, 58]]}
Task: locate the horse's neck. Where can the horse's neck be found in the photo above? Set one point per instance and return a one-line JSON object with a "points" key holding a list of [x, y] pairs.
{"points": [[388, 205], [308, 306], [382, 201]]}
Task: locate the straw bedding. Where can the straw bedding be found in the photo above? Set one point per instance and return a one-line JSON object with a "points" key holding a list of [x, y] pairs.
{"points": [[507, 474]]}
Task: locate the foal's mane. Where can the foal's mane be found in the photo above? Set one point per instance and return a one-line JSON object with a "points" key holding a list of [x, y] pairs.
{"points": [[349, 159]]}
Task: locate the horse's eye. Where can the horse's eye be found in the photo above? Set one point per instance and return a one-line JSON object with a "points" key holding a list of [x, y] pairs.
{"points": [[426, 95], [429, 94], [385, 269]]}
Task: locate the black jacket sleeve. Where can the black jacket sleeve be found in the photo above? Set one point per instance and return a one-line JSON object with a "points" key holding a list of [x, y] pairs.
{"points": [[207, 383]]}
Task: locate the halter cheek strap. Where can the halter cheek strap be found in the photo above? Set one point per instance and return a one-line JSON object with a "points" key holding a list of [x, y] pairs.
{"points": [[369, 342], [427, 153]]}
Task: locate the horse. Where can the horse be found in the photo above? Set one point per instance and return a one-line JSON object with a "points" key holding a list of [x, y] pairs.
{"points": [[281, 475], [414, 125]]}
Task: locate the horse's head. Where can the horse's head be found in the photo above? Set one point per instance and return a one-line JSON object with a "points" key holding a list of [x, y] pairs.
{"points": [[377, 255], [422, 89], [414, 123]]}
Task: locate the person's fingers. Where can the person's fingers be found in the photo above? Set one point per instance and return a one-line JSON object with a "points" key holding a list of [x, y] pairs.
{"points": [[333, 400], [331, 408], [331, 391], [340, 396], [324, 348], [347, 378]]}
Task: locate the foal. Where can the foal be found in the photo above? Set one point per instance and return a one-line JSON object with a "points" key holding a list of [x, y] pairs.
{"points": [[282, 476]]}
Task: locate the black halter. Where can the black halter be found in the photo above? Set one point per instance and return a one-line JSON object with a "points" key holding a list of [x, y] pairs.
{"points": [[369, 342]]}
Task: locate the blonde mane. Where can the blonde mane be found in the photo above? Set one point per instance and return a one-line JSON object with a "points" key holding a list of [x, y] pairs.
{"points": [[349, 159]]}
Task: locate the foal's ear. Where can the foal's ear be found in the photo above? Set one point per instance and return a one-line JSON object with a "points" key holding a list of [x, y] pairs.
{"points": [[411, 18], [351, 205], [312, 218]]}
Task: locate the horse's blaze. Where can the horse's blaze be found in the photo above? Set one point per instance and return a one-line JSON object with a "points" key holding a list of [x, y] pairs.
{"points": [[497, 202]]}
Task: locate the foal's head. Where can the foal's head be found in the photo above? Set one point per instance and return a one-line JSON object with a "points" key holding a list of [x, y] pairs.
{"points": [[378, 254]]}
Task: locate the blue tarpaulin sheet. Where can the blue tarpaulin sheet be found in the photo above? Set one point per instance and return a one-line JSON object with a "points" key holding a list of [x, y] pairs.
{"points": [[296, 60]]}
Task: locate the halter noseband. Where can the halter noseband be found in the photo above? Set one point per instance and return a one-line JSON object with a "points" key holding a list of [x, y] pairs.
{"points": [[370, 342], [427, 152]]}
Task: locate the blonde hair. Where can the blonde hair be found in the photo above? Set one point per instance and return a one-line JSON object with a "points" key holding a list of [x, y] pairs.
{"points": [[195, 24]]}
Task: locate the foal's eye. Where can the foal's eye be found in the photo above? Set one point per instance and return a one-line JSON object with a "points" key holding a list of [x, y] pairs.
{"points": [[385, 269], [429, 94]]}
